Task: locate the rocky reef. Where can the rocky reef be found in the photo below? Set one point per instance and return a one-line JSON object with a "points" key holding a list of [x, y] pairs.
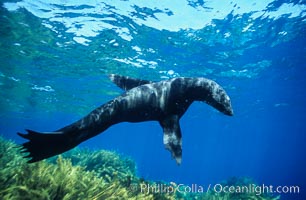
{"points": [[93, 175]]}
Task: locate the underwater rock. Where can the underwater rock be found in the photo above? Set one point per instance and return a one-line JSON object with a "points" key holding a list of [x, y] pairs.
{"points": [[60, 180], [94, 175]]}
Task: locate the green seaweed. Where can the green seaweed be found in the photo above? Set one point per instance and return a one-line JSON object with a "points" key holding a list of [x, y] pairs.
{"points": [[94, 175], [107, 164], [60, 180]]}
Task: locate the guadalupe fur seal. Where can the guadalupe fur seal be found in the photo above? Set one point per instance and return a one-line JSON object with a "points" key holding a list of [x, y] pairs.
{"points": [[165, 101]]}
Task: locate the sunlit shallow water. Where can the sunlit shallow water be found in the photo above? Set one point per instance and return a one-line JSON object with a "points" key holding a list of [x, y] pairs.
{"points": [[55, 58]]}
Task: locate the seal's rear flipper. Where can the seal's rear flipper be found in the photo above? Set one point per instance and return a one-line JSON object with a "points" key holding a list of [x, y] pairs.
{"points": [[127, 83], [45, 145], [173, 137]]}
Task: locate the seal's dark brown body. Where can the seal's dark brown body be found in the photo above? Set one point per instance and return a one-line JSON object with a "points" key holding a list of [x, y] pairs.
{"points": [[164, 101]]}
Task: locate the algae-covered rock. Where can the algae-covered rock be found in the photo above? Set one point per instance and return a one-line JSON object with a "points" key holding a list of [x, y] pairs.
{"points": [[106, 164], [94, 175], [62, 180]]}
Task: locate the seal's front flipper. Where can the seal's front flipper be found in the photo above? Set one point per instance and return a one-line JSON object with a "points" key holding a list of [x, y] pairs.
{"points": [[127, 83], [45, 145], [173, 137]]}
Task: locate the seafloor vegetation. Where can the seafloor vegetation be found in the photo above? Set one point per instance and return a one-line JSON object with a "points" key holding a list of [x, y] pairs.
{"points": [[93, 175]]}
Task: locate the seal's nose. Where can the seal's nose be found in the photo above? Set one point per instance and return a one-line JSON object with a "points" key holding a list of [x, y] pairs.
{"points": [[230, 112]]}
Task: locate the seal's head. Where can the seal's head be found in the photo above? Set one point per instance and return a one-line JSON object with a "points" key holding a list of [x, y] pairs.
{"points": [[220, 100], [211, 93]]}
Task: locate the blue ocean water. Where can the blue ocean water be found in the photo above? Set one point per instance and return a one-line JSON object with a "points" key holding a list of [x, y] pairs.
{"points": [[56, 55]]}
